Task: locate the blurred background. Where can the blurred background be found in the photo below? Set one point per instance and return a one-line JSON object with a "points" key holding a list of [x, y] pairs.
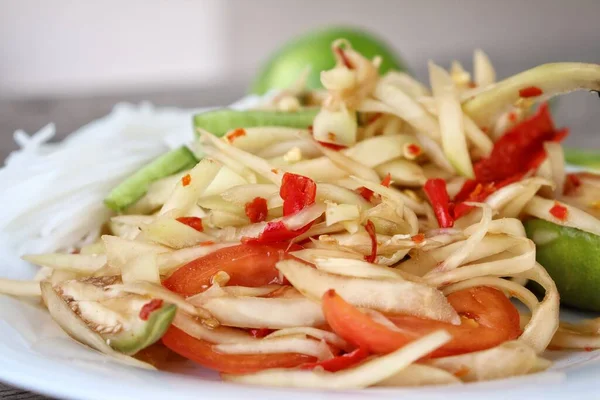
{"points": [[69, 61]]}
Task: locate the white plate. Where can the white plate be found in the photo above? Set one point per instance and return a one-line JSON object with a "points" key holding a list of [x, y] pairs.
{"points": [[37, 355]]}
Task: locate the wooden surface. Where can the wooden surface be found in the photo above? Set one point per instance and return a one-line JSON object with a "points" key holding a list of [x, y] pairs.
{"points": [[580, 112]]}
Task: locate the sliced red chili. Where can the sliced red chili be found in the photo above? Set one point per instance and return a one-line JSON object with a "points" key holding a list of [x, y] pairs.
{"points": [[344, 58], [419, 238], [340, 362], [275, 232], [531, 91], [332, 146], [297, 192], [436, 192], [414, 149], [149, 308], [192, 222], [387, 181], [256, 210], [186, 180], [260, 332], [559, 211], [571, 184], [370, 228], [521, 149], [367, 194], [239, 132]]}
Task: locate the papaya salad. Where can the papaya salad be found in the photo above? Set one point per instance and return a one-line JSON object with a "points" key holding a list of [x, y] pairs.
{"points": [[378, 232]]}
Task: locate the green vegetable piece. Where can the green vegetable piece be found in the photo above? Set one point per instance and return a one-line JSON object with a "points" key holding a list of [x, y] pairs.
{"points": [[286, 65], [143, 333], [222, 121], [552, 79], [134, 187], [572, 258], [583, 158]]}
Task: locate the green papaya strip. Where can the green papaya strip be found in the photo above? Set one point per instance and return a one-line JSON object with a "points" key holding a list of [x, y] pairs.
{"points": [[134, 187], [539, 84]]}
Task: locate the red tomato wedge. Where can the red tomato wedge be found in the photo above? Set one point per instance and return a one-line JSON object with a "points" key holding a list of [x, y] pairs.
{"points": [[246, 264], [201, 351], [488, 319], [340, 362]]}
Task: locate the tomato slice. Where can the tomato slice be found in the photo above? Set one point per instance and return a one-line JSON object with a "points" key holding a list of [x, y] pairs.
{"points": [[202, 352], [340, 362], [488, 319], [246, 264]]}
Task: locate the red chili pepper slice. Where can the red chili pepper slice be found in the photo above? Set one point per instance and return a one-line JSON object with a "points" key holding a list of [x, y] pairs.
{"points": [[340, 362], [297, 192], [370, 228], [332, 146], [531, 91], [571, 184], [275, 232], [192, 222], [387, 181], [436, 192], [186, 180], [520, 150], [367, 194], [257, 210], [260, 332], [419, 238], [150, 307], [344, 58], [559, 211], [239, 132]]}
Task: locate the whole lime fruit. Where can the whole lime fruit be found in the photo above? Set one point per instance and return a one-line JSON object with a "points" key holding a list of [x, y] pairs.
{"points": [[314, 49]]}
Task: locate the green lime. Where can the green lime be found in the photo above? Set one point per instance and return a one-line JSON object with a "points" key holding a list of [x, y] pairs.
{"points": [[572, 258], [583, 157], [314, 49]]}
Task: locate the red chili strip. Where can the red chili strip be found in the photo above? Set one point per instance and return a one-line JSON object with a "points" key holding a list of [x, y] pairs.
{"points": [[559, 211], [387, 181], [149, 308], [370, 228], [367, 194], [297, 192], [275, 232], [257, 210], [340, 52], [186, 180], [340, 362], [239, 132], [531, 91], [436, 192], [571, 184], [260, 332], [192, 222], [332, 146]]}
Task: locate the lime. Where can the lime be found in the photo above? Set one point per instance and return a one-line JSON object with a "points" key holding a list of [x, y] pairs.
{"points": [[583, 158], [314, 49], [572, 258]]}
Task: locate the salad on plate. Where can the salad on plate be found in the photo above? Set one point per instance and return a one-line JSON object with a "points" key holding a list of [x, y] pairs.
{"points": [[376, 232]]}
